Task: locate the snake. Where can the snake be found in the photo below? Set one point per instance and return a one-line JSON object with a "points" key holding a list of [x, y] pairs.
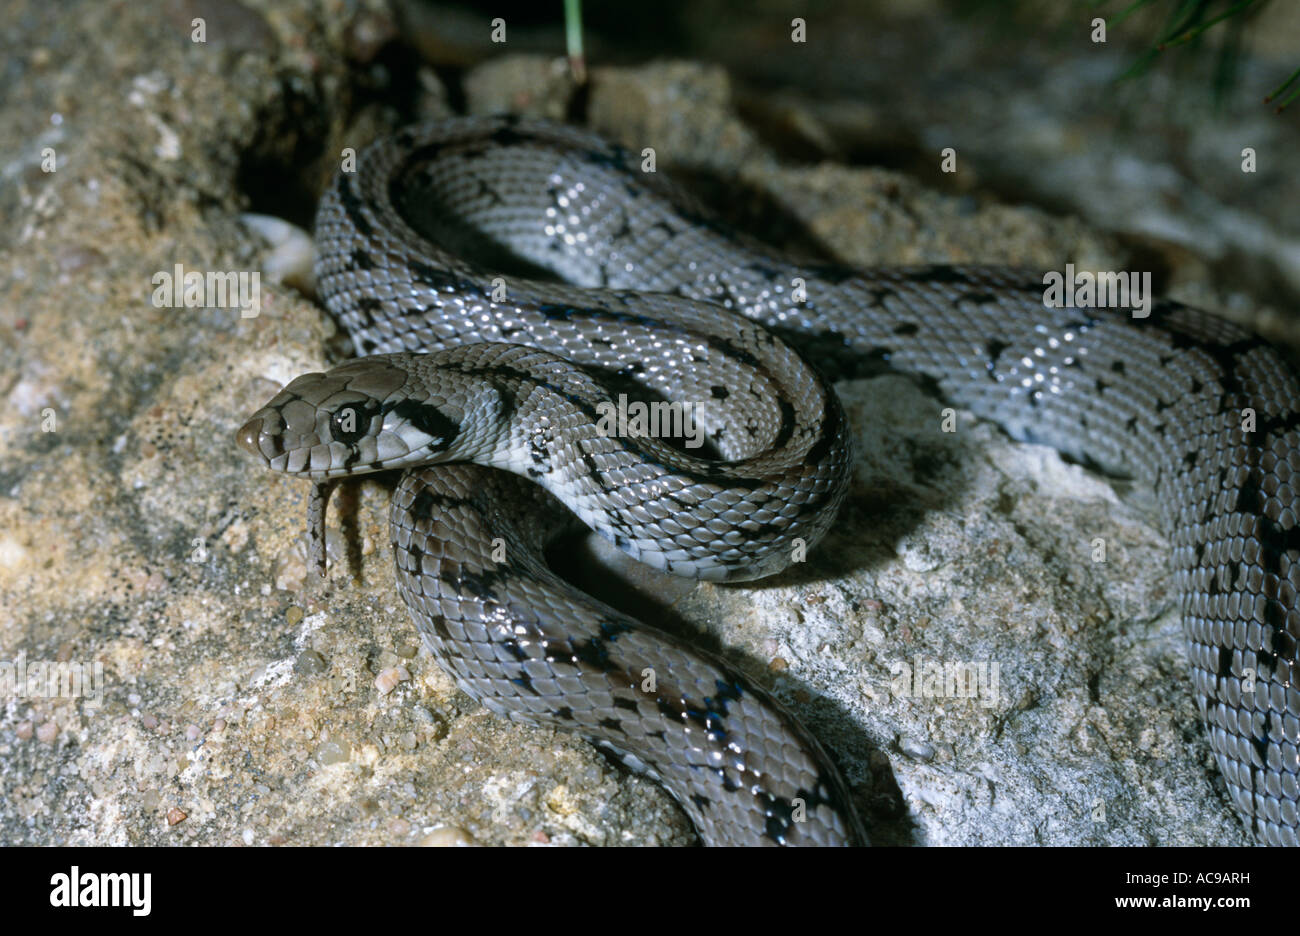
{"points": [[505, 280]]}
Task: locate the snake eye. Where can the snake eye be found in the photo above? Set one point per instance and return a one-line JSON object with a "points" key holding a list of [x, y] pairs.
{"points": [[349, 424]]}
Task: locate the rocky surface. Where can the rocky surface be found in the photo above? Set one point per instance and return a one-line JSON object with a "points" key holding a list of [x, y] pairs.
{"points": [[245, 704]]}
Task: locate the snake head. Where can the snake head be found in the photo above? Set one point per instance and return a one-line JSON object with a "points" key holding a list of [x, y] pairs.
{"points": [[360, 416]]}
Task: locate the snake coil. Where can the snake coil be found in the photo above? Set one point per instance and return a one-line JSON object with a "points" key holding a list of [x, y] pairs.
{"points": [[464, 368]]}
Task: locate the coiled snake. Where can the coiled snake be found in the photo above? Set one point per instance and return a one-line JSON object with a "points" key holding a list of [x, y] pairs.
{"points": [[463, 367]]}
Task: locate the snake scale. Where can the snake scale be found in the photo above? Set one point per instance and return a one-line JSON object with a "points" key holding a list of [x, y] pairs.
{"points": [[627, 283]]}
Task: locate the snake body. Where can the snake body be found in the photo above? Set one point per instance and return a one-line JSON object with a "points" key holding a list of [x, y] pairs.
{"points": [[462, 361]]}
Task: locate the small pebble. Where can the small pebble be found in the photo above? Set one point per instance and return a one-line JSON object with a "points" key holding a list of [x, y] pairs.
{"points": [[917, 750], [293, 616], [447, 837], [388, 679], [47, 732], [333, 752], [74, 258], [310, 663], [192, 732], [175, 816], [149, 721], [25, 730], [366, 35], [228, 23]]}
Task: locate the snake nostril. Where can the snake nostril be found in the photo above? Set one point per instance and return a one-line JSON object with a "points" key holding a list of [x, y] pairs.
{"points": [[247, 436]]}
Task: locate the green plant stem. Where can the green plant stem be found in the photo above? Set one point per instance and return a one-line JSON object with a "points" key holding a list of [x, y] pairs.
{"points": [[1283, 86], [573, 39], [1197, 30], [1124, 13]]}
